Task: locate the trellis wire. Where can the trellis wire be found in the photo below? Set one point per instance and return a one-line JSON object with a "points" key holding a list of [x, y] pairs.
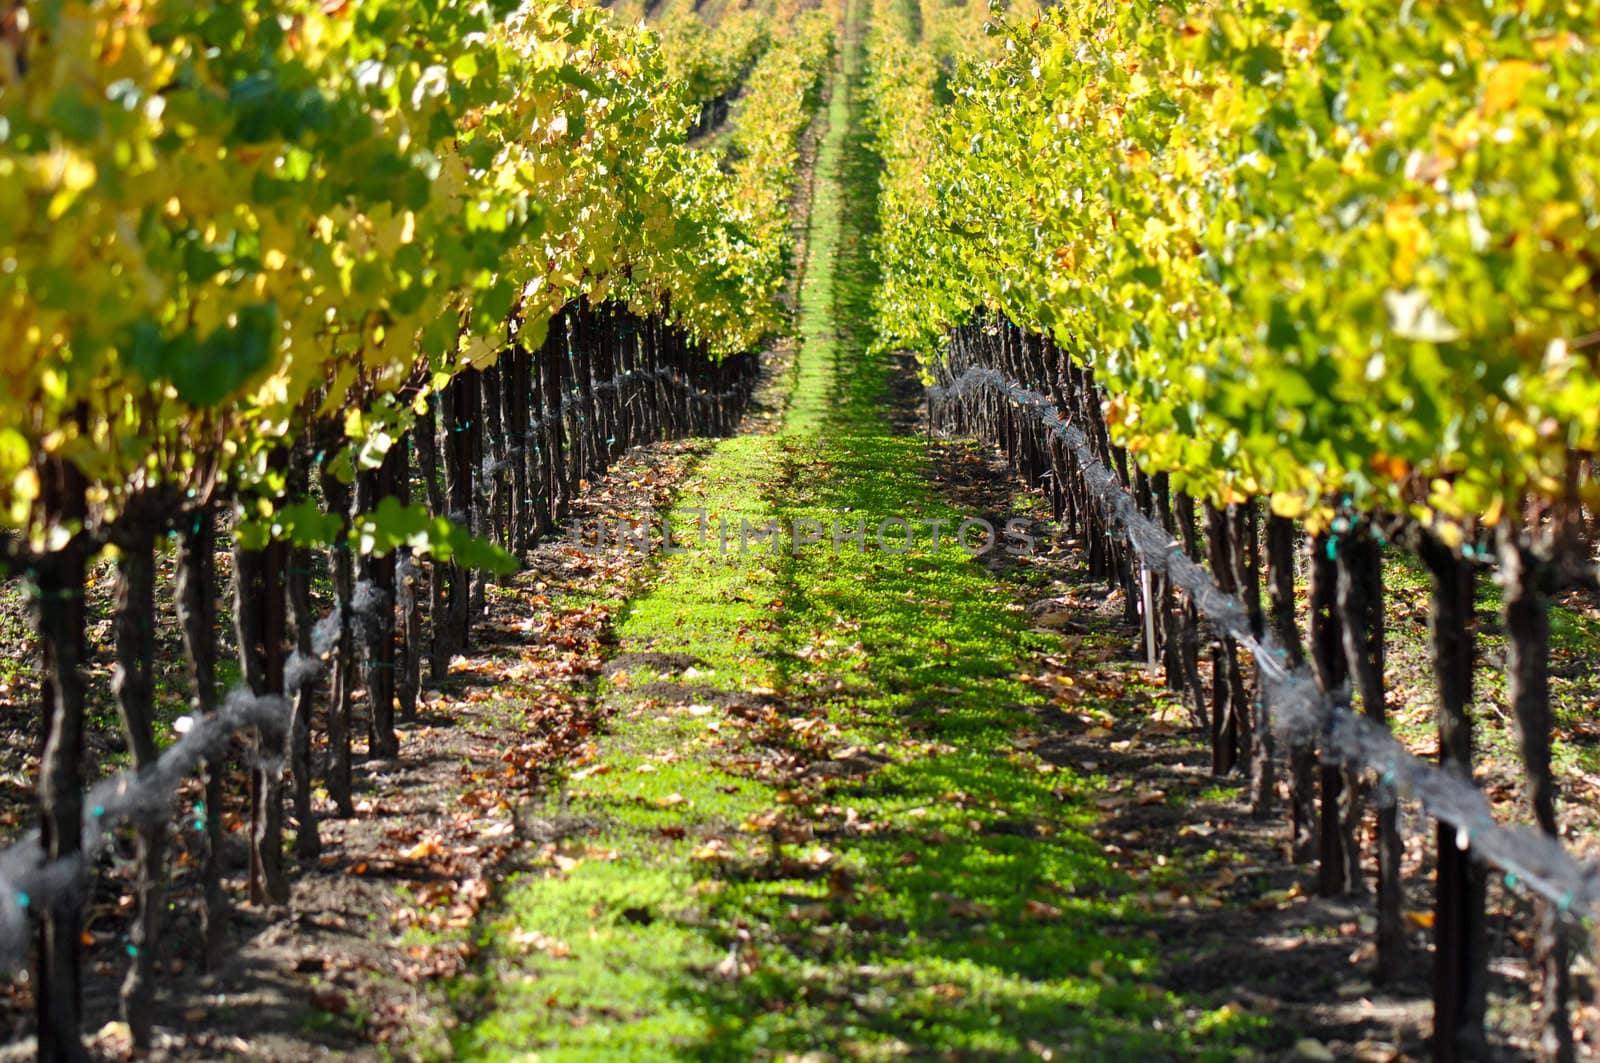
{"points": [[1298, 709], [30, 882]]}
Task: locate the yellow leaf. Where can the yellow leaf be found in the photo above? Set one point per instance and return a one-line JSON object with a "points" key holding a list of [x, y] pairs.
{"points": [[26, 485], [1504, 85], [1287, 505], [1401, 224], [714, 851]]}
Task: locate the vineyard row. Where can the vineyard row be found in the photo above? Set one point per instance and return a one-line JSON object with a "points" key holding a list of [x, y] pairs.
{"points": [[1024, 393], [497, 457]]}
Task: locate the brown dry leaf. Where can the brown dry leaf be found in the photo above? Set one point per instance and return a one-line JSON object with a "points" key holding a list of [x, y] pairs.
{"points": [[672, 800], [728, 968], [962, 908], [330, 1000], [591, 771], [532, 939], [811, 912], [761, 821], [1040, 912]]}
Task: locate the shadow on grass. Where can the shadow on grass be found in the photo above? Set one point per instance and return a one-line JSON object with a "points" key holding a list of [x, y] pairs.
{"points": [[965, 913]]}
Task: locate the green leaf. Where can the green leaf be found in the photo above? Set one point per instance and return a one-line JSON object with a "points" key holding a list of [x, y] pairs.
{"points": [[209, 371], [393, 525]]}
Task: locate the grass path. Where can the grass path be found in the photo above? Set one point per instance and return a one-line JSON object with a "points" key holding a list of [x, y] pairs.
{"points": [[815, 827]]}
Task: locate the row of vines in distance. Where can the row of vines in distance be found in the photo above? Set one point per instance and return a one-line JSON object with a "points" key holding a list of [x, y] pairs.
{"points": [[1319, 270]]}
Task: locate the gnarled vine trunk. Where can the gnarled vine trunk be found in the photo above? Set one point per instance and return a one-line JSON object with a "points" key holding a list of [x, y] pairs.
{"points": [[1361, 624], [59, 615], [1460, 931], [259, 622], [196, 591], [134, 687], [1527, 622]]}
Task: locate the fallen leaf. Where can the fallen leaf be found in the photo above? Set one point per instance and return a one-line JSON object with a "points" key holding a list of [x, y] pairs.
{"points": [[533, 939], [114, 1031], [715, 850], [962, 908], [423, 850], [330, 1000]]}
